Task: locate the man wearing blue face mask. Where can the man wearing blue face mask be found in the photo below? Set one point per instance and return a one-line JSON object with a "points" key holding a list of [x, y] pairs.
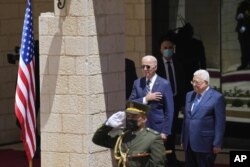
{"points": [[171, 69]]}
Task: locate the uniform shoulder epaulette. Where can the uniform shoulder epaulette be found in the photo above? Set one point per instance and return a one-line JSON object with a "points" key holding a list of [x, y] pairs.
{"points": [[152, 131]]}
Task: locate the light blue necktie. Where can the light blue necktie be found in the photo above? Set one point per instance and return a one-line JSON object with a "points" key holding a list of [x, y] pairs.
{"points": [[196, 102]]}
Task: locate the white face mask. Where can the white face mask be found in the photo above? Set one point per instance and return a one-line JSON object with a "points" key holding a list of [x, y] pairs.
{"points": [[168, 53]]}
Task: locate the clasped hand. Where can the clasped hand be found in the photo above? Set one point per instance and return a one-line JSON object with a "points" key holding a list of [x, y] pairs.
{"points": [[154, 96]]}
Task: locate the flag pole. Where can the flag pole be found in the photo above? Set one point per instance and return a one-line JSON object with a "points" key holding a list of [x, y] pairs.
{"points": [[30, 163]]}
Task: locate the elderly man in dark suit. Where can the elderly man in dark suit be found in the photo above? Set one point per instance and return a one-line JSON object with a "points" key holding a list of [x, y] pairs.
{"points": [[156, 92], [204, 122], [171, 69]]}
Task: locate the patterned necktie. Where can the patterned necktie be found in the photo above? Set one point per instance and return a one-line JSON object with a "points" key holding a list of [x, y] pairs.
{"points": [[148, 86], [196, 102], [171, 77]]}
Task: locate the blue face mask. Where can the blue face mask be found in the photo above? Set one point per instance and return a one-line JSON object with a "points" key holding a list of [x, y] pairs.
{"points": [[168, 53]]}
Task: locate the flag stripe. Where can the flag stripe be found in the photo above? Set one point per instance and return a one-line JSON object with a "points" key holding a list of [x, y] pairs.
{"points": [[25, 90]]}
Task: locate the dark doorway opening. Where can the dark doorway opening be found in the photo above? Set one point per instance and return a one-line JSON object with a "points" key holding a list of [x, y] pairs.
{"points": [[160, 22]]}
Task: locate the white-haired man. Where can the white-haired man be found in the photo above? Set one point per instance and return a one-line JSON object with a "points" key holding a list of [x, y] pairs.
{"points": [[156, 92], [204, 122]]}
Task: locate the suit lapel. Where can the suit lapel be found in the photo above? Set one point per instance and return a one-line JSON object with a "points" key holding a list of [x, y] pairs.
{"points": [[156, 84], [205, 98], [192, 97], [143, 86]]}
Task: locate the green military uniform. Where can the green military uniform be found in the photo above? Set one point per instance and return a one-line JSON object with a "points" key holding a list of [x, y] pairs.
{"points": [[139, 147], [143, 148]]}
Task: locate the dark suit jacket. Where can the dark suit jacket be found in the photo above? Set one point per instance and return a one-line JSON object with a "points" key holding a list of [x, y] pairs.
{"points": [[179, 99], [204, 129], [160, 116]]}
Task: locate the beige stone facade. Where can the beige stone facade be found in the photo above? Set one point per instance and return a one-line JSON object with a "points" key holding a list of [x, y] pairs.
{"points": [[137, 30], [82, 81]]}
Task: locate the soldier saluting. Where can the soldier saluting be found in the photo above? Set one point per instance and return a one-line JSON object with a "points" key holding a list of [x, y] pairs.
{"points": [[136, 145]]}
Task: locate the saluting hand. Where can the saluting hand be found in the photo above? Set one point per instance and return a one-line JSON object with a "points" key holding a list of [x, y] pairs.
{"points": [[116, 120]]}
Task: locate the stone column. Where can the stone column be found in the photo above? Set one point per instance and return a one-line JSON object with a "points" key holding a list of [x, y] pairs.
{"points": [[81, 79], [138, 38]]}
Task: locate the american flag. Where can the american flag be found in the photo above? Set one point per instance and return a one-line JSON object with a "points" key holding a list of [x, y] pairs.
{"points": [[25, 90]]}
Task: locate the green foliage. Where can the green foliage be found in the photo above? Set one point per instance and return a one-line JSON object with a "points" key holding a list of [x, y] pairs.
{"points": [[236, 96], [236, 92], [228, 101], [237, 103]]}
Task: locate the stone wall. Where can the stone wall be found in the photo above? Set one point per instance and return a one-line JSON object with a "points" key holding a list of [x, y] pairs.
{"points": [[11, 24], [82, 79], [82, 50], [138, 28]]}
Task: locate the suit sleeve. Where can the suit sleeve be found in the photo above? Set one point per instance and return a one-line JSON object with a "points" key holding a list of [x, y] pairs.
{"points": [[134, 94], [168, 109], [183, 122], [102, 138], [220, 121]]}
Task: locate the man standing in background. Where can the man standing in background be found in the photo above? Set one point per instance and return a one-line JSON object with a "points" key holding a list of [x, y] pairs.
{"points": [[171, 69], [243, 29]]}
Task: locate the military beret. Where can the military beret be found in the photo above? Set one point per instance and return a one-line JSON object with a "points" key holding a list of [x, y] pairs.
{"points": [[136, 108]]}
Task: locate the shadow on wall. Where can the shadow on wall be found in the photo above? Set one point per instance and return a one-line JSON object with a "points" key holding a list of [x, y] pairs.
{"points": [[106, 63]]}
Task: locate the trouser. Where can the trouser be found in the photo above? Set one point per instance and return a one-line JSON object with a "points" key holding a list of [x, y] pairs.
{"points": [[244, 40], [170, 143], [198, 159]]}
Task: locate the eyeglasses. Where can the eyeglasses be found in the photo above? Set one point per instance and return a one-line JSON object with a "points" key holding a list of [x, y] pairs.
{"points": [[147, 66], [197, 83]]}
